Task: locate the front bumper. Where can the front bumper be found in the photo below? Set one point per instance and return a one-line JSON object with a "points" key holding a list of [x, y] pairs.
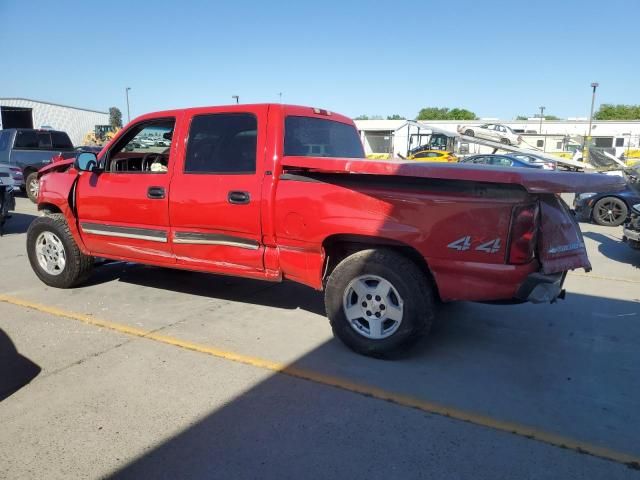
{"points": [[630, 235], [541, 288], [583, 210]]}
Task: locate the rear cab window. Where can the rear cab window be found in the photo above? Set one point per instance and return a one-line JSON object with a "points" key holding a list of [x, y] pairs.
{"points": [[319, 137], [61, 141], [42, 140]]}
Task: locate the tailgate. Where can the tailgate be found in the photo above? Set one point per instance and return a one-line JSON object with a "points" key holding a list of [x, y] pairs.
{"points": [[560, 243]]}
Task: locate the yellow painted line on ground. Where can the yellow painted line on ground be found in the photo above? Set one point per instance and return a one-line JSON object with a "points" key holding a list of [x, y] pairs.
{"points": [[344, 384], [601, 277]]}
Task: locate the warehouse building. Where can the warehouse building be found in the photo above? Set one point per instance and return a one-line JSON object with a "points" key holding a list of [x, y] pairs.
{"points": [[26, 113]]}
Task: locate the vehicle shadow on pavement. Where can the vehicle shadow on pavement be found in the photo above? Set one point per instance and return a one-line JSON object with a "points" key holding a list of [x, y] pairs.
{"points": [[18, 223], [566, 369], [287, 295], [615, 249], [16, 371]]}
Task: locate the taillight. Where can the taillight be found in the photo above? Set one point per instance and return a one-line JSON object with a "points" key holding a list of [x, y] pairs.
{"points": [[16, 172], [524, 229]]}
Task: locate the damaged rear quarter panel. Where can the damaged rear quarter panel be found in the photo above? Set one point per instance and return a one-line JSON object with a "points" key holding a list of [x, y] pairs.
{"points": [[560, 242]]}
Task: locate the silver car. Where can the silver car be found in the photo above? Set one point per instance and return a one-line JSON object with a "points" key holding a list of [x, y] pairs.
{"points": [[491, 131]]}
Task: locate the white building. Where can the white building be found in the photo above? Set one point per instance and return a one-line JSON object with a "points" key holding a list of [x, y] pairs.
{"points": [[25, 113], [396, 137]]}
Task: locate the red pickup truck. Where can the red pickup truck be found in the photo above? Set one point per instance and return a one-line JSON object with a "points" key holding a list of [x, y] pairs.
{"points": [[279, 192]]}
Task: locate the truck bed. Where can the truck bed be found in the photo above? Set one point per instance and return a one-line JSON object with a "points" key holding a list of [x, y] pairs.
{"points": [[533, 180]]}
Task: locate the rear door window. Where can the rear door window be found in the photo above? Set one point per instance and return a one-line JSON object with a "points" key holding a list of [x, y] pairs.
{"points": [[317, 137], [33, 140], [222, 143]]}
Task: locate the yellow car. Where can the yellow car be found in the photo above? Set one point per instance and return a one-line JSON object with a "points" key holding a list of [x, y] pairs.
{"points": [[433, 156]]}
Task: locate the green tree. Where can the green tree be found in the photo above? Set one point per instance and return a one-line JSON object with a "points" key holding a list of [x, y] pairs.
{"points": [[522, 117], [461, 114], [362, 117], [608, 111], [436, 113], [395, 116], [115, 118]]}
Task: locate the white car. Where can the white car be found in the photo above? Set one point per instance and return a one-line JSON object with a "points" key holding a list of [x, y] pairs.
{"points": [[491, 131]]}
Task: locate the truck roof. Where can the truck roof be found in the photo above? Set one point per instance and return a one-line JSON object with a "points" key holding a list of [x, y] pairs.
{"points": [[288, 109]]}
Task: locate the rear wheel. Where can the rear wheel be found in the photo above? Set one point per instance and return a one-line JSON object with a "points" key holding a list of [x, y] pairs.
{"points": [[610, 212], [32, 186], [469, 133], [378, 301], [54, 254]]}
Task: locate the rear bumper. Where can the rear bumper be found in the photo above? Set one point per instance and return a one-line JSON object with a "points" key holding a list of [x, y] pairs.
{"points": [[541, 288]]}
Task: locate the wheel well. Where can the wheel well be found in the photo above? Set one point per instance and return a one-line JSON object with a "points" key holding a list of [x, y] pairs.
{"points": [[28, 171], [337, 247], [48, 208]]}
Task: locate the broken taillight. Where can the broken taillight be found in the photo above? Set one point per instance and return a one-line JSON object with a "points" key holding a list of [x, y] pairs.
{"points": [[524, 229]]}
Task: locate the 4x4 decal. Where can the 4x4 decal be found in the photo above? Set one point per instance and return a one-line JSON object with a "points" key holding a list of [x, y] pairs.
{"points": [[464, 243], [461, 244]]}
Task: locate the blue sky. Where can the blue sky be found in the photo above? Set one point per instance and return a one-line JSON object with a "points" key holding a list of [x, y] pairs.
{"points": [[497, 58]]}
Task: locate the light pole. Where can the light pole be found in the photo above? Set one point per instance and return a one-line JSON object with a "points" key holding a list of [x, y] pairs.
{"points": [[280, 95], [594, 85], [585, 152], [544, 143], [126, 92], [237, 97]]}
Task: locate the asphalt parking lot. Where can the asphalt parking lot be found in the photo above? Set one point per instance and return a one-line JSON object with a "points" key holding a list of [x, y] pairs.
{"points": [[152, 373]]}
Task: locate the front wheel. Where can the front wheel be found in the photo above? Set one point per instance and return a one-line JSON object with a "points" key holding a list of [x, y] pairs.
{"points": [[378, 301], [32, 186], [53, 253], [610, 212], [505, 141], [469, 133]]}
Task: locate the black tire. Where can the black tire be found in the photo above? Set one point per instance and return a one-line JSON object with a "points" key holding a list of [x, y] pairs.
{"points": [[469, 133], [505, 141], [78, 266], [617, 207], [411, 284], [31, 186]]}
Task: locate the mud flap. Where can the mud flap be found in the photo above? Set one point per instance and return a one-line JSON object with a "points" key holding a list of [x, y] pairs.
{"points": [[560, 242]]}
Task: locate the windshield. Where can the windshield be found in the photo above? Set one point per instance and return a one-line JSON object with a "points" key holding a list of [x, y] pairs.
{"points": [[317, 137]]}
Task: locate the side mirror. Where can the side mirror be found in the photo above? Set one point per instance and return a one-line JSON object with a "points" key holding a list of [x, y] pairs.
{"points": [[86, 162]]}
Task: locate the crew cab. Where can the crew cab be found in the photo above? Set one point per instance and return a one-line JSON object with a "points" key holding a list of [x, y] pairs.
{"points": [[277, 192]]}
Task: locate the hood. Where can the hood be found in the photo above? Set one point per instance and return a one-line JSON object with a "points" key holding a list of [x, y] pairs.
{"points": [[532, 179], [57, 166]]}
